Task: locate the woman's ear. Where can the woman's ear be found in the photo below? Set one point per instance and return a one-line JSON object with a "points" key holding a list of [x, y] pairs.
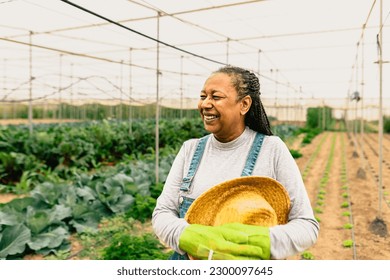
{"points": [[246, 103]]}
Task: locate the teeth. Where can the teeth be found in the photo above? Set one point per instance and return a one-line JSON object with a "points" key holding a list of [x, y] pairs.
{"points": [[209, 118]]}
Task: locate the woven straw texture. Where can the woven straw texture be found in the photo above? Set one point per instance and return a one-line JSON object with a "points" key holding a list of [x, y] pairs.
{"points": [[251, 200]]}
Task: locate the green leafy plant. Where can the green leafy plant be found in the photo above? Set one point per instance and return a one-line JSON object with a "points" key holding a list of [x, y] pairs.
{"points": [[127, 247], [348, 243], [119, 237], [13, 240], [345, 204], [346, 214], [348, 226], [142, 208], [320, 202], [306, 255], [295, 153]]}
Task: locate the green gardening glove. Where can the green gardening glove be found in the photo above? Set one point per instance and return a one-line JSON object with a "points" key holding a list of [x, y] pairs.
{"points": [[228, 242]]}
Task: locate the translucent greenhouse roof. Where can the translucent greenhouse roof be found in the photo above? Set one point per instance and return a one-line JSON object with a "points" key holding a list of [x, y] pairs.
{"points": [[111, 51]]}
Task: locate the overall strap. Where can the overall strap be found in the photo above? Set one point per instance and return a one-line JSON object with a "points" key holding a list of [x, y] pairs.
{"points": [[252, 156], [186, 183]]}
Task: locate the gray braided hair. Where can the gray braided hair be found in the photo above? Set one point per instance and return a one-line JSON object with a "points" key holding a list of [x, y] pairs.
{"points": [[247, 83]]}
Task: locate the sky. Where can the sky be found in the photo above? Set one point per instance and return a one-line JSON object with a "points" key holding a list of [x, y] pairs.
{"points": [[311, 50]]}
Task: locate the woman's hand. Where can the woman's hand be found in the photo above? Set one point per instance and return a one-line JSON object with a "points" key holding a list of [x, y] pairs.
{"points": [[229, 242]]}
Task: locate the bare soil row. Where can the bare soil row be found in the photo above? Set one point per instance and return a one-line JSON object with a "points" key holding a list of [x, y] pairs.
{"points": [[368, 233]]}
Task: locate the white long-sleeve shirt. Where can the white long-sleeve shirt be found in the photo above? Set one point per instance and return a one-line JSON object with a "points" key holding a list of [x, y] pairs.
{"points": [[225, 161]]}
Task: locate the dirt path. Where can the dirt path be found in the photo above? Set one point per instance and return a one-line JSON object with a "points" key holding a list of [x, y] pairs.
{"points": [[6, 197], [363, 195]]}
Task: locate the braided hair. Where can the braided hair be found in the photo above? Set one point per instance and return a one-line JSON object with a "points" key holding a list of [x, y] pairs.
{"points": [[247, 83]]}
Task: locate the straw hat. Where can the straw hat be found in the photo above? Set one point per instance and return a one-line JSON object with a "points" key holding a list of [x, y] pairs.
{"points": [[250, 200]]}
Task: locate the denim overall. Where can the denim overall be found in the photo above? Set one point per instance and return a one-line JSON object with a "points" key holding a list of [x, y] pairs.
{"points": [[185, 202]]}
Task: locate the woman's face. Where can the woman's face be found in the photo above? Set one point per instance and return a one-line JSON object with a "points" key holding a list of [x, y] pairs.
{"points": [[221, 113]]}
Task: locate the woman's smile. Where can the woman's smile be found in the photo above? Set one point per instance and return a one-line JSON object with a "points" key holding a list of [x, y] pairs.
{"points": [[210, 118]]}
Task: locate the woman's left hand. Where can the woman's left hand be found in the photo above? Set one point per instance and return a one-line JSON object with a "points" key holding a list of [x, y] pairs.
{"points": [[228, 242]]}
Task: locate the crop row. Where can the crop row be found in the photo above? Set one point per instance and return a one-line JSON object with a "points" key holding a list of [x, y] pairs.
{"points": [[346, 194], [57, 204], [83, 146]]}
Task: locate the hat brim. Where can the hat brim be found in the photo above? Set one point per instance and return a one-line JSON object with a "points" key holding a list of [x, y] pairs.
{"points": [[258, 198]]}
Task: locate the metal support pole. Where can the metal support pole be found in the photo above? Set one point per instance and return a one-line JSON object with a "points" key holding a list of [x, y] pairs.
{"points": [[181, 87], [227, 50], [30, 108], [4, 86], [121, 92], [258, 63], [362, 107], [60, 90], [157, 98], [276, 94], [380, 63], [130, 92]]}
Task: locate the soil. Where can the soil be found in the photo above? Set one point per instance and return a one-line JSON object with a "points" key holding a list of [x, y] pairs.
{"points": [[369, 204], [370, 216]]}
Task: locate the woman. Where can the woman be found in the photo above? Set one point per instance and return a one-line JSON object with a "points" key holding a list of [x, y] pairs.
{"points": [[232, 112]]}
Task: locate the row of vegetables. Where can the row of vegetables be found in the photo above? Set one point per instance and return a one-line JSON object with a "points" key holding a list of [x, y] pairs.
{"points": [[71, 176]]}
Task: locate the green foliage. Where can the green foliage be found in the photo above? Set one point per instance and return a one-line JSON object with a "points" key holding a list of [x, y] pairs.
{"points": [[346, 214], [53, 211], [348, 226], [285, 131], [119, 237], [143, 208], [67, 149], [345, 204], [310, 134], [14, 164], [156, 189], [348, 243], [13, 240], [386, 124], [306, 255], [127, 247], [295, 153], [320, 117]]}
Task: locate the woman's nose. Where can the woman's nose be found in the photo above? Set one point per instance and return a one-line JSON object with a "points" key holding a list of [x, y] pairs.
{"points": [[207, 102]]}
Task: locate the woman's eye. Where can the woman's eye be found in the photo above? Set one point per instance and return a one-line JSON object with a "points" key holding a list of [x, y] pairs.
{"points": [[216, 97], [203, 97]]}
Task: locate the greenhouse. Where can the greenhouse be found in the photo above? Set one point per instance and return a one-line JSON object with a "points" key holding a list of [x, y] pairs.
{"points": [[97, 98]]}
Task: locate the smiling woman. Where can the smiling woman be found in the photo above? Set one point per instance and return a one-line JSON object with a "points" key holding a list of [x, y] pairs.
{"points": [[223, 113], [240, 133]]}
